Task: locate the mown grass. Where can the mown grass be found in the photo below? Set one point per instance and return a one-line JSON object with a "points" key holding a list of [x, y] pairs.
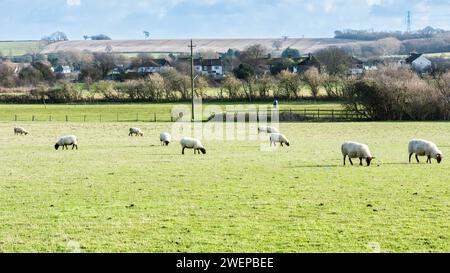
{"points": [[124, 194], [125, 112]]}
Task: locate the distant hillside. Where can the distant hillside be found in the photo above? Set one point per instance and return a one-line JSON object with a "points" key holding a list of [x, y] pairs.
{"points": [[181, 46]]}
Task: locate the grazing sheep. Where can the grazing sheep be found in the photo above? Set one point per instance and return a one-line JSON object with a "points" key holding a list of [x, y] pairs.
{"points": [[422, 147], [165, 139], [136, 132], [192, 143], [65, 141], [280, 138], [20, 131], [267, 129], [356, 150]]}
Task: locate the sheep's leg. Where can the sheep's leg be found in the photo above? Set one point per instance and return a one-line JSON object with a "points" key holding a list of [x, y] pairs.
{"points": [[350, 159], [281, 144], [345, 157], [182, 152], [429, 159], [417, 158], [360, 161], [410, 156]]}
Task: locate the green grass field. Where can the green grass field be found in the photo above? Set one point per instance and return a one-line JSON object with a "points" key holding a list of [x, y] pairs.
{"points": [[19, 48], [123, 112], [124, 194]]}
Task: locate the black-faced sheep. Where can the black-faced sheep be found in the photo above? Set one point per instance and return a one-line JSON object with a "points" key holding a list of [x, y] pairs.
{"points": [[20, 131], [192, 143], [165, 139], [66, 141], [356, 150], [421, 147], [135, 132], [278, 138]]}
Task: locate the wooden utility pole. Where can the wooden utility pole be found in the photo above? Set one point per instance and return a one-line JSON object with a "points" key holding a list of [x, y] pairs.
{"points": [[192, 79]]}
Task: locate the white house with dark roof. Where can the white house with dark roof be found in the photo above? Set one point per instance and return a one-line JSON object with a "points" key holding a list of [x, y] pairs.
{"points": [[209, 67], [418, 62]]}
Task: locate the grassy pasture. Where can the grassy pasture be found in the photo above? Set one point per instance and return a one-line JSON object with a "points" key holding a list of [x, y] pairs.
{"points": [[19, 48], [125, 112], [122, 194]]}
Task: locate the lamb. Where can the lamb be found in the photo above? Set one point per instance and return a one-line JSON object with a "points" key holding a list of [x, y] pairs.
{"points": [[192, 143], [356, 150], [280, 138], [267, 129], [165, 139], [426, 148], [67, 140], [136, 132], [20, 131]]}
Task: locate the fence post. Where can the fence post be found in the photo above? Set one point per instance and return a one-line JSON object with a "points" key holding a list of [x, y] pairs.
{"points": [[84, 118], [100, 118], [117, 117], [318, 113], [32, 119], [137, 117], [15, 117], [154, 116], [49, 118], [332, 115], [67, 118]]}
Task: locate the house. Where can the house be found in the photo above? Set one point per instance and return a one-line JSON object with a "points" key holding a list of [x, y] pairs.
{"points": [[155, 66], [209, 67], [418, 62], [305, 63], [356, 67], [62, 70]]}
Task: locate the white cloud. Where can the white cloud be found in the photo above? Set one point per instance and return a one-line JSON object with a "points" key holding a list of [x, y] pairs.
{"points": [[73, 2]]}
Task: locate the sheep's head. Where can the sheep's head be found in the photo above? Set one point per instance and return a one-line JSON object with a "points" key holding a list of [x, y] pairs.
{"points": [[203, 150], [369, 160], [167, 143], [439, 158], [56, 146], [26, 133], [288, 144]]}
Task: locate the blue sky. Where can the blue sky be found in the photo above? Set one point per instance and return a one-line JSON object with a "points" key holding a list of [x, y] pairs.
{"points": [[126, 19]]}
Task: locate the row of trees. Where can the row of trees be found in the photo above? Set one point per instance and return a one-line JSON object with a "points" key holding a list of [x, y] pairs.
{"points": [[394, 93], [367, 35], [173, 86]]}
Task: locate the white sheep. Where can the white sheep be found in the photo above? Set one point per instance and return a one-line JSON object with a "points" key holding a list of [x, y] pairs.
{"points": [[20, 131], [192, 143], [278, 138], [67, 140], [267, 129], [426, 148], [136, 132], [356, 150], [165, 139]]}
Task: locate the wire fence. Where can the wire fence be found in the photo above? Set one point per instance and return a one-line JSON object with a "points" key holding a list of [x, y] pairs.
{"points": [[108, 117], [293, 115]]}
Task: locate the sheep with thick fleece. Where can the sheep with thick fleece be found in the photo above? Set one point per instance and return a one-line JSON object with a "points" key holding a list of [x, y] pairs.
{"points": [[20, 131], [278, 138], [165, 138], [192, 143], [66, 141], [426, 148], [267, 129], [356, 150], [136, 132]]}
